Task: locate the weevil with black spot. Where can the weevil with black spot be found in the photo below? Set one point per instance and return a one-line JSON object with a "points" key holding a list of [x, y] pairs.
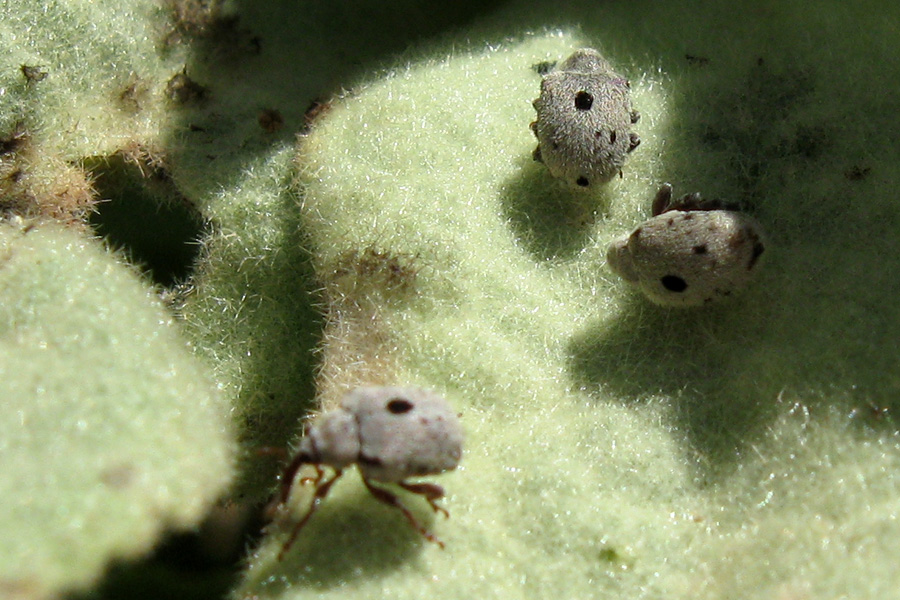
{"points": [[692, 252], [390, 434], [584, 119]]}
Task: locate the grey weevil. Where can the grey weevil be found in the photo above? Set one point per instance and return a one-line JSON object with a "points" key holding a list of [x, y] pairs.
{"points": [[692, 252], [584, 119], [390, 434]]}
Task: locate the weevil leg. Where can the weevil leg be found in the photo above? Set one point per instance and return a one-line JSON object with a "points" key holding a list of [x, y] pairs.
{"points": [[391, 500], [286, 479], [430, 491], [663, 199], [320, 473], [290, 472], [319, 495], [634, 140]]}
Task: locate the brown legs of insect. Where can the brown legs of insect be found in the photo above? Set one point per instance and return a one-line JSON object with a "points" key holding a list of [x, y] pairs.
{"points": [[290, 471], [287, 478], [430, 491], [319, 495]]}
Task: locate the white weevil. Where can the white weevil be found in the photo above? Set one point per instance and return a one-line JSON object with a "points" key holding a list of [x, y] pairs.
{"points": [[390, 434], [690, 253], [584, 119]]}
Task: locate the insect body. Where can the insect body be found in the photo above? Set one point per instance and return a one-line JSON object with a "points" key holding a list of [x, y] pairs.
{"points": [[390, 434], [690, 253], [584, 119]]}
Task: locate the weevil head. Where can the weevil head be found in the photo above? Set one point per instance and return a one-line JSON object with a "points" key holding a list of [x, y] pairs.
{"points": [[332, 439], [619, 259], [586, 60]]}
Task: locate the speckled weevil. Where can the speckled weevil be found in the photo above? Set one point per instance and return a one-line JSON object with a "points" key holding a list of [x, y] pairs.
{"points": [[691, 252], [584, 119], [390, 434]]}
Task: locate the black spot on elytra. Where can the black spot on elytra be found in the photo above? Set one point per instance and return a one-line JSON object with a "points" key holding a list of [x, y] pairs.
{"points": [[612, 136], [583, 181], [583, 100], [701, 249], [399, 406], [674, 283]]}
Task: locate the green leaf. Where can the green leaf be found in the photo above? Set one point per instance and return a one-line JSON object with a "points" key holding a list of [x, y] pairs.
{"points": [[615, 448], [111, 430]]}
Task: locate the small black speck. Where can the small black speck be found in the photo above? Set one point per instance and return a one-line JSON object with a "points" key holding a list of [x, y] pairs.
{"points": [[184, 90], [857, 173], [583, 100], [583, 181], [701, 249], [270, 120], [609, 555], [673, 283], [699, 61], [398, 406], [612, 136], [14, 141], [33, 74]]}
